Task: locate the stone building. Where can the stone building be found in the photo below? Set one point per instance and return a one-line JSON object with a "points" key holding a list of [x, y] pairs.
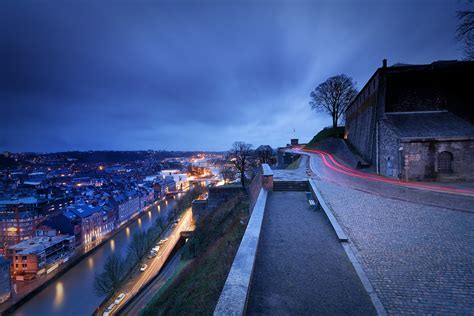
{"points": [[415, 122]]}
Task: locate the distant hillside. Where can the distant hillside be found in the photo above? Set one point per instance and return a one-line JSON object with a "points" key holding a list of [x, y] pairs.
{"points": [[123, 156], [7, 162]]}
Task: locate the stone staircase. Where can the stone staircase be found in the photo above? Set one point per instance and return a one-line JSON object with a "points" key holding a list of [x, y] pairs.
{"points": [[281, 185]]}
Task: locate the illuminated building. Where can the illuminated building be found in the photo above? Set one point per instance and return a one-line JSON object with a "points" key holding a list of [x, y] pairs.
{"points": [[39, 254]]}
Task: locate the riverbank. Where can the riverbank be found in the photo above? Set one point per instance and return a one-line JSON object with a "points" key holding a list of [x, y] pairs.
{"points": [[13, 304], [211, 249], [134, 281]]}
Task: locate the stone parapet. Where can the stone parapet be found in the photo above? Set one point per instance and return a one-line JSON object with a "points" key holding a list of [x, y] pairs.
{"points": [[234, 295]]}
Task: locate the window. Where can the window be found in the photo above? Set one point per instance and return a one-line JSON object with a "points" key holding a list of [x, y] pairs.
{"points": [[445, 162]]}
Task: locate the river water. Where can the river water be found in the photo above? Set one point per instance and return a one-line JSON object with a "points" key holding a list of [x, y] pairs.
{"points": [[73, 293]]}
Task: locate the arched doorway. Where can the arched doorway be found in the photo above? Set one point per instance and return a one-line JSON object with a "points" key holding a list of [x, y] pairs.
{"points": [[445, 162]]}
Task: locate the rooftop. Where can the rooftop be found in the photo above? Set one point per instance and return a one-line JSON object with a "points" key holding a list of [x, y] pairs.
{"points": [[37, 244], [436, 124], [22, 200], [85, 210]]}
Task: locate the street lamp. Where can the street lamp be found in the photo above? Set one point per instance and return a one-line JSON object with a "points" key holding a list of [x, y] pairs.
{"points": [[405, 165]]}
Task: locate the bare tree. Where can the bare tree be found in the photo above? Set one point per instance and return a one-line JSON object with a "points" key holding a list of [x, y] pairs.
{"points": [[334, 96], [137, 247], [227, 173], [240, 156], [108, 281], [465, 32], [264, 153]]}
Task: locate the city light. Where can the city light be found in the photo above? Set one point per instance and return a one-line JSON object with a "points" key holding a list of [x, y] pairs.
{"points": [[90, 263], [59, 295], [334, 165]]}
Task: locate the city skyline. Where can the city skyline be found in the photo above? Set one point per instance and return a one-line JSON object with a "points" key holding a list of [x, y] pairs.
{"points": [[195, 76]]}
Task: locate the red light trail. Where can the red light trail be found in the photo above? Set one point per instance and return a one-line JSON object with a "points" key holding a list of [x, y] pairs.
{"points": [[334, 165]]}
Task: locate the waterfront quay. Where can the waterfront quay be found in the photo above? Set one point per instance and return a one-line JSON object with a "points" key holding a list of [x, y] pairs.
{"points": [[68, 293]]}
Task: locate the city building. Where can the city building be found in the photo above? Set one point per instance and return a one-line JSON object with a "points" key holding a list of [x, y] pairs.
{"points": [[67, 223], [91, 218], [19, 218], [159, 189], [109, 217], [170, 184], [39, 255], [5, 279], [415, 122], [128, 205]]}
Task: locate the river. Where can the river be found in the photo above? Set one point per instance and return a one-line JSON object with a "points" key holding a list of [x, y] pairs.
{"points": [[73, 293]]}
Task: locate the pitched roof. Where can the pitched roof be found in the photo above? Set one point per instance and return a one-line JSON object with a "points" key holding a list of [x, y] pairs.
{"points": [[438, 124], [85, 210]]}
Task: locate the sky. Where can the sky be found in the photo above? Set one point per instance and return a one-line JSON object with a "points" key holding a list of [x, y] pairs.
{"points": [[195, 75]]}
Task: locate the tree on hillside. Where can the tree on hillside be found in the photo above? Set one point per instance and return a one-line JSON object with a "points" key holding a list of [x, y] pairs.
{"points": [[333, 96], [465, 32], [240, 156]]}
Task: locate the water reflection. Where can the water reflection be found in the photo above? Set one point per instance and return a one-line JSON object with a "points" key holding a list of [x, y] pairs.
{"points": [[149, 214], [59, 297], [75, 295], [90, 263], [140, 222]]}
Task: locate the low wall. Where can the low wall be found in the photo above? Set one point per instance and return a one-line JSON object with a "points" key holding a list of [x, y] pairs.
{"points": [[234, 295], [219, 195], [319, 199], [262, 178], [199, 208]]}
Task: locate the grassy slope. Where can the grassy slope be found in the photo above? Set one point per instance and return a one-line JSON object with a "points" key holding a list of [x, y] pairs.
{"points": [[216, 240], [295, 164], [325, 133]]}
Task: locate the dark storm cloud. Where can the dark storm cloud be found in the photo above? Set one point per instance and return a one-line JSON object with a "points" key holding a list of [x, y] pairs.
{"points": [[188, 75]]}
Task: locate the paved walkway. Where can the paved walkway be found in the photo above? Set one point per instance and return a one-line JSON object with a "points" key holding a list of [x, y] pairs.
{"points": [[292, 175], [419, 258], [301, 267]]}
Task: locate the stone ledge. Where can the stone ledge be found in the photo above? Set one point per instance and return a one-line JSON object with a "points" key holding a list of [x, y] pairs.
{"points": [[335, 225], [267, 171], [234, 295]]}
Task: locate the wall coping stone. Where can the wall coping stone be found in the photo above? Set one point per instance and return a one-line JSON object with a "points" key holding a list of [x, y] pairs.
{"points": [[267, 171], [234, 295], [335, 225]]}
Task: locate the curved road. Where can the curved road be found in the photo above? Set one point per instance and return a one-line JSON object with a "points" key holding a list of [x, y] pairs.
{"points": [[155, 265], [327, 168], [413, 240]]}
